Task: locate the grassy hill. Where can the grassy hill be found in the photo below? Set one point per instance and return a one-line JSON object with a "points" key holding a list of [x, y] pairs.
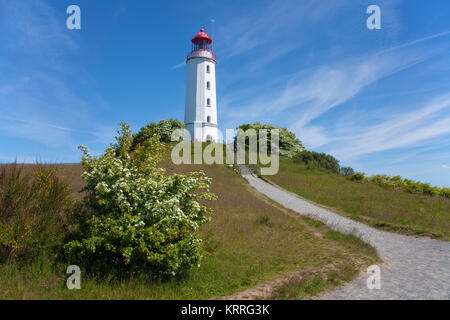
{"points": [[248, 240], [380, 207]]}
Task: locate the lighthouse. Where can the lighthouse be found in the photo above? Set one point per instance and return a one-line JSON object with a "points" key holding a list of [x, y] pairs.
{"points": [[200, 116]]}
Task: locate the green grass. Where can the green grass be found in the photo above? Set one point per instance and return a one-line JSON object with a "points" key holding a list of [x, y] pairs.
{"points": [[380, 207], [248, 240]]}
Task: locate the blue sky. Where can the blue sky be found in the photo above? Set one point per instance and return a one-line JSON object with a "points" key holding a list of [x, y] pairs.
{"points": [[378, 100]]}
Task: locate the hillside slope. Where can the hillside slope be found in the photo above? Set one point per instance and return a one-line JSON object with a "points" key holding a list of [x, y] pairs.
{"points": [[413, 268], [380, 207], [248, 240]]}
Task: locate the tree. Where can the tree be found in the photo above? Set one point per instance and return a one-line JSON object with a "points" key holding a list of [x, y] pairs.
{"points": [[163, 129], [289, 144], [347, 171], [315, 160]]}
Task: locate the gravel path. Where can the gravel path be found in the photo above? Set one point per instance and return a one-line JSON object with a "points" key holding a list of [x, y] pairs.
{"points": [[413, 268]]}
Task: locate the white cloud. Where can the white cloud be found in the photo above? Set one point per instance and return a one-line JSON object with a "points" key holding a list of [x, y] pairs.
{"points": [[402, 130], [40, 130], [178, 65], [277, 24], [446, 166], [309, 94], [313, 136], [313, 92]]}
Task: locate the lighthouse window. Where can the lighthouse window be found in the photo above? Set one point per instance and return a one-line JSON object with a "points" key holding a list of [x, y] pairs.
{"points": [[208, 85], [208, 102], [207, 69], [208, 119]]}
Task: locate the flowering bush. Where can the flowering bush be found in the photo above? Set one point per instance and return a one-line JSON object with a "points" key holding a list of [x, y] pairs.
{"points": [[144, 220]]}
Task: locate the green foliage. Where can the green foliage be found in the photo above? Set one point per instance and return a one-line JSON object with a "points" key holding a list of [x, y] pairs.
{"points": [[347, 171], [314, 160], [163, 129], [289, 144], [144, 220], [408, 185], [358, 176], [445, 192], [34, 209]]}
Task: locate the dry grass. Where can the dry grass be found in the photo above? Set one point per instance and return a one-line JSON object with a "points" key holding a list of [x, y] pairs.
{"points": [[35, 208], [249, 240], [69, 173]]}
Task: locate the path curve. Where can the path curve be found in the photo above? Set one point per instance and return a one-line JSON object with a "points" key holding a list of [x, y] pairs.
{"points": [[413, 268]]}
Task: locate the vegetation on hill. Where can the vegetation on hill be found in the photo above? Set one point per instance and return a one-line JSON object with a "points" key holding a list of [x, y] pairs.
{"points": [[314, 160], [141, 219], [368, 200], [248, 239], [399, 183], [321, 161], [390, 203], [163, 129], [292, 148], [35, 210], [289, 144]]}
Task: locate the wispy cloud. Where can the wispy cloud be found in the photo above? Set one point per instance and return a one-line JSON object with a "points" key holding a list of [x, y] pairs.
{"points": [[277, 24], [446, 166], [271, 54], [418, 41], [327, 86], [40, 130], [311, 93], [37, 98], [178, 65], [400, 131]]}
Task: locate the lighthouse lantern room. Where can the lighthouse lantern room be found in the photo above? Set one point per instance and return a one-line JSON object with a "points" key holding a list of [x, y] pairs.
{"points": [[201, 110]]}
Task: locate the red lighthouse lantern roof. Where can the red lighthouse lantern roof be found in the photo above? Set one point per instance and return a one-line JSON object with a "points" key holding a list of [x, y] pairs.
{"points": [[202, 36]]}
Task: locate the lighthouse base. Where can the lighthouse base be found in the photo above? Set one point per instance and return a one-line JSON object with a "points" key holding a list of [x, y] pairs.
{"points": [[202, 132]]}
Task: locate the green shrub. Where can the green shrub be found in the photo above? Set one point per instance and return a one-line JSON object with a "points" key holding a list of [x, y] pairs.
{"points": [[144, 220], [347, 171], [34, 211], [358, 176], [162, 129], [407, 185], [428, 189], [445, 192], [397, 180], [315, 160], [383, 180], [289, 144], [412, 186]]}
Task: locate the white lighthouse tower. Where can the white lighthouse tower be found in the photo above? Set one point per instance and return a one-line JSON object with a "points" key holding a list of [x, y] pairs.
{"points": [[200, 116]]}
